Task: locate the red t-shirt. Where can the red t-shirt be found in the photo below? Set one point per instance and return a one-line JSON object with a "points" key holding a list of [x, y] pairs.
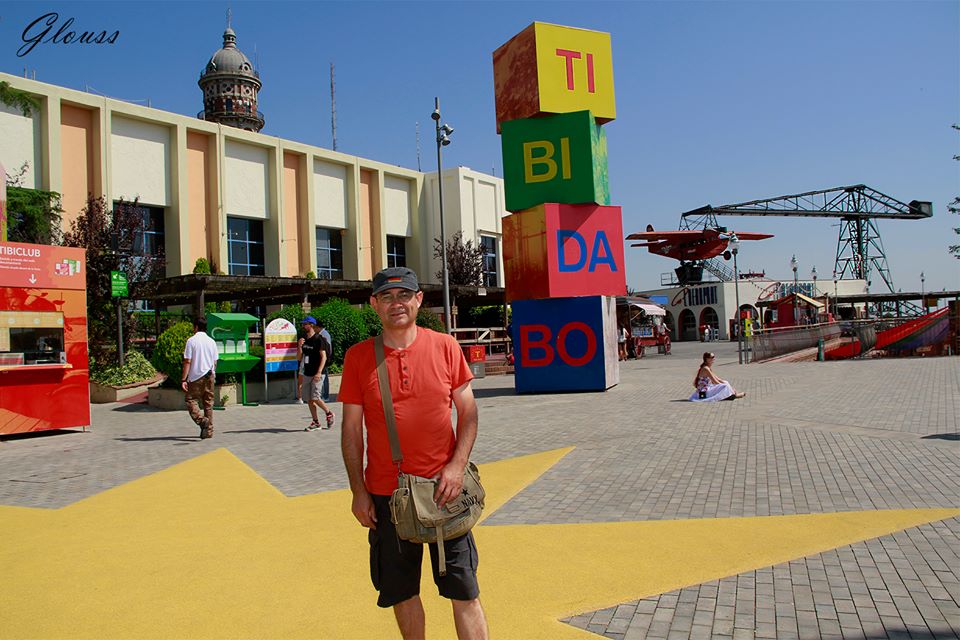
{"points": [[422, 380]]}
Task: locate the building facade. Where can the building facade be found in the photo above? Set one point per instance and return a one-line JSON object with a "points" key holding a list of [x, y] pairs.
{"points": [[248, 202], [714, 303]]}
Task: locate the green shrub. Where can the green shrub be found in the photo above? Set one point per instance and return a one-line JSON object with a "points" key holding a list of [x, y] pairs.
{"points": [[168, 353], [371, 320], [292, 312], [202, 265], [487, 316], [345, 324], [428, 319], [135, 368], [310, 274]]}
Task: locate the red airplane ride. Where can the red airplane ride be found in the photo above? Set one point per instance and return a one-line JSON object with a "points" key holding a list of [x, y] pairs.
{"points": [[691, 245]]}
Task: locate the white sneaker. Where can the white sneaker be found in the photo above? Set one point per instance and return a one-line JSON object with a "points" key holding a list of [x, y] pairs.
{"points": [[299, 400], [313, 426]]}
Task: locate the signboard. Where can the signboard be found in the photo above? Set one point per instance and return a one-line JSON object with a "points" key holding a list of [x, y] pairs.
{"points": [[118, 284], [39, 266], [280, 346]]}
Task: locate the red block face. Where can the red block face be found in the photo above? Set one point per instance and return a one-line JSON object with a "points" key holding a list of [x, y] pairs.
{"points": [[560, 250]]}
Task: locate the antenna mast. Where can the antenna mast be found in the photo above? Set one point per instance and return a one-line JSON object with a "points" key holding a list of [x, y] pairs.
{"points": [[333, 109], [418, 146]]}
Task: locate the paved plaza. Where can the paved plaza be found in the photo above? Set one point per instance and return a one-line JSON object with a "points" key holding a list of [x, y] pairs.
{"points": [[865, 437]]}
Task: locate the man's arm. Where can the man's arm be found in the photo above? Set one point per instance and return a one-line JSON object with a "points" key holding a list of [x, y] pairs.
{"points": [[351, 445], [186, 370], [450, 479]]}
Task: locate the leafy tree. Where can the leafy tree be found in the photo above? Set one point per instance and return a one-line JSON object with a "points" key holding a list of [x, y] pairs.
{"points": [[464, 261], [954, 208], [113, 242], [33, 215]]}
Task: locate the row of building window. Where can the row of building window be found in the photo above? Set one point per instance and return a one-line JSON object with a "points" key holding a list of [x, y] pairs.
{"points": [[245, 247]]}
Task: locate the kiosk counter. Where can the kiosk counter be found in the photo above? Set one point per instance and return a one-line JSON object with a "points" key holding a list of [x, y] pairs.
{"points": [[44, 366]]}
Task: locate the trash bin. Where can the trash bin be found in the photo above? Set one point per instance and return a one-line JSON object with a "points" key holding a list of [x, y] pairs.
{"points": [[478, 369]]}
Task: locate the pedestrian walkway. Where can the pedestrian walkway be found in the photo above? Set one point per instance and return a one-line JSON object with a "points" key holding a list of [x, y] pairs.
{"points": [[824, 504]]}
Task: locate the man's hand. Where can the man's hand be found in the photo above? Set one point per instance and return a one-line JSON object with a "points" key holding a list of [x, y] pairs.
{"points": [[449, 483], [183, 385], [363, 509]]}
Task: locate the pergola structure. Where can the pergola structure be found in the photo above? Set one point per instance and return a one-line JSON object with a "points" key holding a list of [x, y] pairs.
{"points": [[197, 289]]}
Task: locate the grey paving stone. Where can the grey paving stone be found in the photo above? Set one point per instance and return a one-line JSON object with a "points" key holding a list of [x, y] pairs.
{"points": [[809, 438]]}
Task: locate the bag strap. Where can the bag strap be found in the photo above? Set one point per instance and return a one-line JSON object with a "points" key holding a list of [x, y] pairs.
{"points": [[383, 377]]}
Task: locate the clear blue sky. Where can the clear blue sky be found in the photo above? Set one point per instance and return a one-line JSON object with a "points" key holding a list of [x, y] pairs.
{"points": [[717, 102]]}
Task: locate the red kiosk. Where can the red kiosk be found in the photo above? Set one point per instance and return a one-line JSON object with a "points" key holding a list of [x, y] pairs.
{"points": [[44, 368]]}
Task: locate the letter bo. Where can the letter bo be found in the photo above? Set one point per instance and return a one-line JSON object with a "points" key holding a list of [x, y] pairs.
{"points": [[547, 68], [557, 250], [555, 159], [565, 344]]}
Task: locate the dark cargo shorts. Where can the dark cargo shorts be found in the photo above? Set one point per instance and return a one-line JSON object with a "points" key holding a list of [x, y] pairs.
{"points": [[395, 563]]}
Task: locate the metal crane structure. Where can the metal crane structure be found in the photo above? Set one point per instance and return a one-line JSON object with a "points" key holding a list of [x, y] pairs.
{"points": [[859, 246]]}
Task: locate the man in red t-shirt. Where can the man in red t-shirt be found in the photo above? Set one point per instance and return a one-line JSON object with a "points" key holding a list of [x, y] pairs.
{"points": [[428, 374]]}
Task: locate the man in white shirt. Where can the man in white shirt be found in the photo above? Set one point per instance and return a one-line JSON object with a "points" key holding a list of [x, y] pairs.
{"points": [[199, 370]]}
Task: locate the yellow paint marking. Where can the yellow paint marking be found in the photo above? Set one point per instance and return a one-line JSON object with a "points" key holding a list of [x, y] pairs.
{"points": [[208, 549]]}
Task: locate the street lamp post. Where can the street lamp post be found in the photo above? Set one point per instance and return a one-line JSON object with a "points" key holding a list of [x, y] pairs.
{"points": [[443, 139], [923, 280], [734, 246], [793, 265], [836, 303], [813, 273]]}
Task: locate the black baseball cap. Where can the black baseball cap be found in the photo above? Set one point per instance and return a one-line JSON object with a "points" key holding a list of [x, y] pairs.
{"points": [[395, 278]]}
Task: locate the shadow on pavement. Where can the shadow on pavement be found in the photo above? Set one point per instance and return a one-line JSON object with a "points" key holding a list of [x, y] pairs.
{"points": [[271, 430], [942, 436], [37, 434], [158, 438], [494, 393], [138, 408]]}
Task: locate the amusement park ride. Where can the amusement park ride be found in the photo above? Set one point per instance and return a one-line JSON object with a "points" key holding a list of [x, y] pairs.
{"points": [[860, 254], [691, 245]]}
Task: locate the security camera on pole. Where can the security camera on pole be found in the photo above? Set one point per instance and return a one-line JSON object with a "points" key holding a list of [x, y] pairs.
{"points": [[443, 139]]}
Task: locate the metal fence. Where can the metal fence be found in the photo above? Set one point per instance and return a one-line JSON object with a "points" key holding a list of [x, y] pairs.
{"points": [[770, 343]]}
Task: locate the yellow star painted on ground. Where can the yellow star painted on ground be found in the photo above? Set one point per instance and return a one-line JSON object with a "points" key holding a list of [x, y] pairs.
{"points": [[208, 549]]}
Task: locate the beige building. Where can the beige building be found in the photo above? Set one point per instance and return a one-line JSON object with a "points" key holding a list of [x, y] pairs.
{"points": [[251, 203]]}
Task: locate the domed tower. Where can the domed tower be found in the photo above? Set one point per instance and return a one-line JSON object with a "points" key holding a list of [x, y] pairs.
{"points": [[230, 85]]}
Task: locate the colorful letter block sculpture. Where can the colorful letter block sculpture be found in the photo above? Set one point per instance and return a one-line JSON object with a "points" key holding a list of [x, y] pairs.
{"points": [[562, 250], [560, 158], [565, 344], [563, 243], [547, 68]]}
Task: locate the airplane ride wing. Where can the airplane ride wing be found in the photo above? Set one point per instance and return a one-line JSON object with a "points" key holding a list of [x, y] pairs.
{"points": [[754, 236], [653, 236]]}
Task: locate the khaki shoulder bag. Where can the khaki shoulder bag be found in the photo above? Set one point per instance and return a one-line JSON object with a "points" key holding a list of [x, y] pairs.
{"points": [[412, 509]]}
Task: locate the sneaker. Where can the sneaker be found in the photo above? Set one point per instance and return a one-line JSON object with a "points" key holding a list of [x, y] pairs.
{"points": [[299, 400], [313, 426], [330, 417]]}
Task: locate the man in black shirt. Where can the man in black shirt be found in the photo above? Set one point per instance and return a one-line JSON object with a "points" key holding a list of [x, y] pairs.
{"points": [[313, 351]]}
